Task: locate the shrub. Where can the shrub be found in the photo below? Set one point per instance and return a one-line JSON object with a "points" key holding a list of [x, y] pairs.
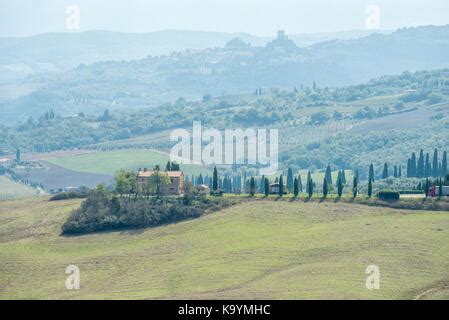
{"points": [[69, 195], [101, 211], [217, 193], [388, 195]]}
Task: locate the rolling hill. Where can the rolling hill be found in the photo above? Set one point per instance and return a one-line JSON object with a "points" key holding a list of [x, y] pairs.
{"points": [[257, 250]]}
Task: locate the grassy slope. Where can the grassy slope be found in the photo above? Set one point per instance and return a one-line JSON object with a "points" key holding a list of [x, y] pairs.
{"points": [[110, 162], [10, 189], [254, 250]]}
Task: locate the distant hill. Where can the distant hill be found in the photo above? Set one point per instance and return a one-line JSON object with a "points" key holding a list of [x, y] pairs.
{"points": [[235, 68], [62, 51], [54, 52]]}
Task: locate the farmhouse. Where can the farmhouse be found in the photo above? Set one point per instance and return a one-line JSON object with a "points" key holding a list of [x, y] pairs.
{"points": [[176, 185], [274, 188]]}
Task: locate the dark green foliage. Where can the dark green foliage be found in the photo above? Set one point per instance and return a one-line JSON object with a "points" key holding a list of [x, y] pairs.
{"points": [[252, 186], [172, 166], [444, 171], [427, 167], [412, 167], [325, 188], [262, 185], [290, 180], [354, 187], [435, 164], [101, 211], [295, 187], [340, 187], [388, 195], [266, 187], [426, 187], [343, 176], [281, 186], [371, 173], [385, 171], [215, 180], [420, 168], [309, 185], [300, 187], [370, 189], [328, 174], [69, 195]]}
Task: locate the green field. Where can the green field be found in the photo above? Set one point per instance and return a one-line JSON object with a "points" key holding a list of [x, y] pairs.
{"points": [[109, 162], [259, 249], [10, 189]]}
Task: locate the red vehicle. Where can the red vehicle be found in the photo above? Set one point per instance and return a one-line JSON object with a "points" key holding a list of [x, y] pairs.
{"points": [[434, 191]]}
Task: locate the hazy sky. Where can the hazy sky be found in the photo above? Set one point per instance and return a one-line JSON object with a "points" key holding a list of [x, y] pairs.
{"points": [[260, 17]]}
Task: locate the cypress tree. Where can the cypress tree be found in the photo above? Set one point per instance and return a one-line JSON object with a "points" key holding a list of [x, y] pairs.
{"points": [[413, 168], [215, 180], [435, 166], [400, 172], [262, 185], [281, 185], [290, 180], [427, 185], [343, 176], [325, 188], [420, 169], [408, 168], [354, 187], [428, 166], [395, 171], [225, 184], [338, 178], [370, 189], [444, 165], [200, 179], [168, 166], [300, 188], [18, 155], [385, 172], [267, 187], [357, 174], [328, 174], [339, 187], [295, 187], [371, 173], [310, 186], [252, 186]]}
